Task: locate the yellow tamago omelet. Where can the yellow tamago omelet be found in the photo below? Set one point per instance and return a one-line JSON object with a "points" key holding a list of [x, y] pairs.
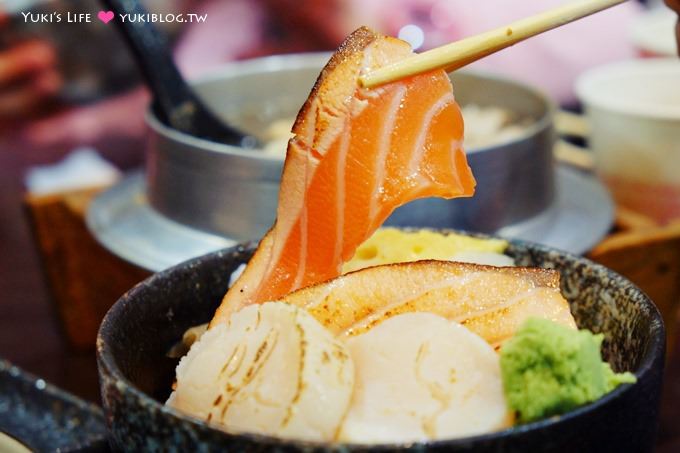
{"points": [[391, 245]]}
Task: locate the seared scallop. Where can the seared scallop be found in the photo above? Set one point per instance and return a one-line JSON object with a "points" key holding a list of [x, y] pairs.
{"points": [[272, 369], [421, 377]]}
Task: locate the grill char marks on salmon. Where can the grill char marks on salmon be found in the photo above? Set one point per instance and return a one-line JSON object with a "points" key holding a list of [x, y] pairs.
{"points": [[490, 301]]}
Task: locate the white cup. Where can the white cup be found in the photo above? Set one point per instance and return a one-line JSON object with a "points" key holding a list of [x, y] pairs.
{"points": [[633, 108], [652, 32]]}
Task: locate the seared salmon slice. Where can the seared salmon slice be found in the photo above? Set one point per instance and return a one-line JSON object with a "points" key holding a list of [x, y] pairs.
{"points": [[356, 155], [490, 301]]}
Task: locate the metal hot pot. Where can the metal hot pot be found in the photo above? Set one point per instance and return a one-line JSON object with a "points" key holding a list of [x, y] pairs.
{"points": [[198, 196]]}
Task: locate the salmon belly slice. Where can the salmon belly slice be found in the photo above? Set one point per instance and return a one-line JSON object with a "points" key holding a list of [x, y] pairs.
{"points": [[490, 301], [356, 155]]}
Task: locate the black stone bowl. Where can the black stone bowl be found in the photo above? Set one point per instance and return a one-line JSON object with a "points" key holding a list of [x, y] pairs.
{"points": [[45, 418], [136, 374]]}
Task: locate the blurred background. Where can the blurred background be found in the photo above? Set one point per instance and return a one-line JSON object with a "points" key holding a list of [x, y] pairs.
{"points": [[72, 124]]}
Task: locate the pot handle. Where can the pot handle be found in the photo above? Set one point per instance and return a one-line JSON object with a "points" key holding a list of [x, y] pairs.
{"points": [[574, 125]]}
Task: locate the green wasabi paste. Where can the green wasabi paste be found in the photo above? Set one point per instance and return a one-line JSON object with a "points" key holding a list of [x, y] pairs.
{"points": [[549, 369]]}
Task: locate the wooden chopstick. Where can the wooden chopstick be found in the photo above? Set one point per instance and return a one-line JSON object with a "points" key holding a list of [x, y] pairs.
{"points": [[460, 53]]}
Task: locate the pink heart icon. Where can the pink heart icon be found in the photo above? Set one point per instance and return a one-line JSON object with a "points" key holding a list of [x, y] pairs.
{"points": [[105, 16]]}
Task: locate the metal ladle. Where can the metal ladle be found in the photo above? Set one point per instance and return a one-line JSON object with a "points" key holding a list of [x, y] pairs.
{"points": [[175, 103]]}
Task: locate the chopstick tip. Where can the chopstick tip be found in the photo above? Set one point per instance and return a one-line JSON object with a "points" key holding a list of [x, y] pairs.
{"points": [[365, 81]]}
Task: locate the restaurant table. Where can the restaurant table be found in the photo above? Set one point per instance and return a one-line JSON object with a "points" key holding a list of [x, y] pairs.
{"points": [[30, 336]]}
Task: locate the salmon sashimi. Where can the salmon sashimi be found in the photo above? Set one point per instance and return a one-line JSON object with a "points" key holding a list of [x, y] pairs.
{"points": [[490, 301], [356, 155]]}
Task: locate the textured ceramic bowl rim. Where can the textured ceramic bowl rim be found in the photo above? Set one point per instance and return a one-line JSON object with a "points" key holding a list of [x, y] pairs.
{"points": [[655, 349], [50, 395]]}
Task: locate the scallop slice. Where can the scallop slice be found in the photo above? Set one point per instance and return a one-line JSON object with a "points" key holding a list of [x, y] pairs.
{"points": [[421, 377], [272, 369]]}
